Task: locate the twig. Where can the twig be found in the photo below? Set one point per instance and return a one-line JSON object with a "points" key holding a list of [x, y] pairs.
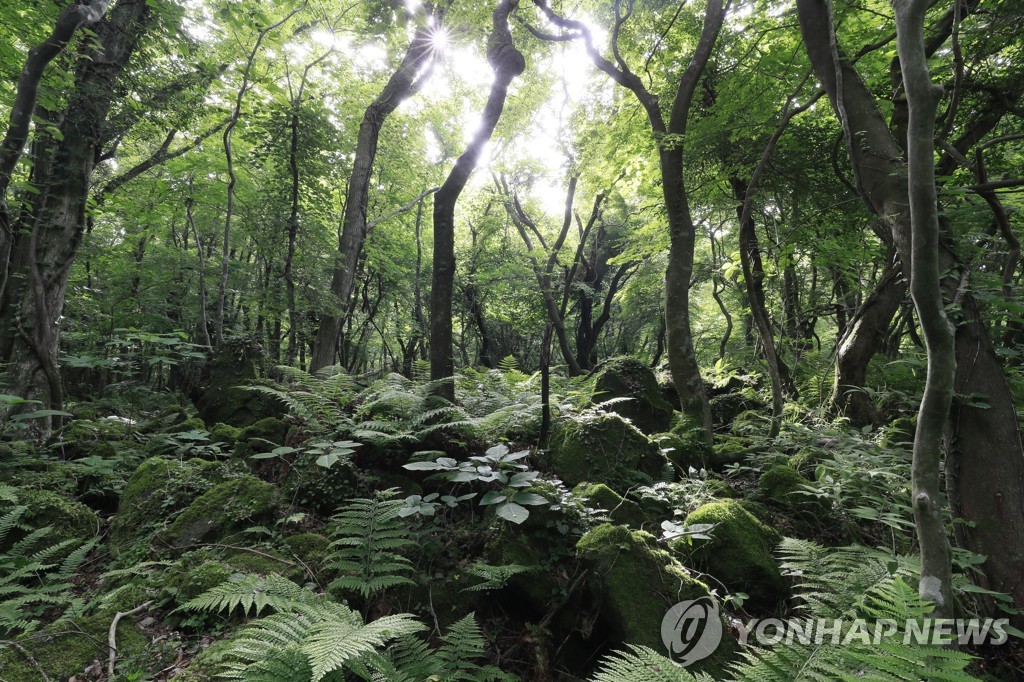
{"points": [[112, 637]]}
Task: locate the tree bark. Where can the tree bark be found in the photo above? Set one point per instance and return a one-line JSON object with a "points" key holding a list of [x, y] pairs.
{"points": [[41, 259], [670, 135], [507, 63], [70, 20], [985, 455], [923, 96]]}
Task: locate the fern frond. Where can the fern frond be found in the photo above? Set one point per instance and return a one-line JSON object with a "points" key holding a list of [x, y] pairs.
{"points": [[251, 592], [641, 664]]}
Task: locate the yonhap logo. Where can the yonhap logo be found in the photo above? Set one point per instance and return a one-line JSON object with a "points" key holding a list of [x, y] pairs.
{"points": [[692, 630]]}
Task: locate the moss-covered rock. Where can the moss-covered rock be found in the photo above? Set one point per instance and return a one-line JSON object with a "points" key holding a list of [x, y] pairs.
{"points": [[726, 407], [739, 553], [629, 378], [637, 583], [806, 460], [310, 548], [66, 650], [900, 434], [68, 518], [619, 509], [224, 509], [782, 484], [604, 447], [226, 399], [685, 451], [225, 433], [263, 436], [159, 488]]}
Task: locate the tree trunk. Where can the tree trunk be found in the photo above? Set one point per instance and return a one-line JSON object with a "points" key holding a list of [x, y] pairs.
{"points": [[33, 301], [400, 86], [507, 62], [985, 456], [936, 581], [864, 338]]}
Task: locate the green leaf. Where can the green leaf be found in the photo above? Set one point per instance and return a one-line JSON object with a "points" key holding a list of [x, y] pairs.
{"points": [[510, 511]]}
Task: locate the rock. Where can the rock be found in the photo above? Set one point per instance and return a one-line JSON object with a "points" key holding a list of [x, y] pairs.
{"points": [[647, 408], [637, 583], [224, 509], [67, 649], [225, 399], [262, 436], [67, 518], [739, 553], [159, 488], [725, 408], [620, 510], [900, 434], [604, 447], [311, 548], [807, 460], [686, 452]]}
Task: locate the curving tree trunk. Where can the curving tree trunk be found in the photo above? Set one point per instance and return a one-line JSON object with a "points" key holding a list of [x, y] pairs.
{"points": [[52, 225], [670, 134], [985, 454], [507, 63], [936, 581], [404, 82]]}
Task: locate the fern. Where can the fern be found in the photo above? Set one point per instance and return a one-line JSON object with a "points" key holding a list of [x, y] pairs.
{"points": [[35, 572], [844, 583], [494, 577], [312, 640], [411, 660], [252, 593], [368, 534], [640, 664]]}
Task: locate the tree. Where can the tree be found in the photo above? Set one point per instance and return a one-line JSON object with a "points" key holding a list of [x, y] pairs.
{"points": [[507, 63]]}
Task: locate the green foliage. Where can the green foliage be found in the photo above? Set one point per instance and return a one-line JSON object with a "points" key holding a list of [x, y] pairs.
{"points": [[497, 468], [641, 664], [368, 535], [35, 572], [494, 577]]}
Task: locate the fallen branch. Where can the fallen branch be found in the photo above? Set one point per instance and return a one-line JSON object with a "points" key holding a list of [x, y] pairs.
{"points": [[112, 637]]}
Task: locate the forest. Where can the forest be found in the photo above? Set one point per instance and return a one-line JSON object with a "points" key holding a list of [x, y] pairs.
{"points": [[539, 340]]}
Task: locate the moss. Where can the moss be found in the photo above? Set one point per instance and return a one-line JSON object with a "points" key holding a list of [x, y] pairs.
{"points": [[226, 399], [225, 433], [191, 424], [201, 578], [620, 510], [67, 649], [749, 422], [224, 509], [719, 488], [263, 436], [685, 451], [69, 519], [739, 553], [782, 484], [637, 583], [158, 488], [806, 461], [629, 378], [311, 548], [605, 448]]}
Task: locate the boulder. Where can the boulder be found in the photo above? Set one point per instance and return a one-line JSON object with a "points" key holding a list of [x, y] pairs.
{"points": [[739, 553], [223, 510], [628, 378], [159, 488], [637, 583], [226, 399], [604, 447], [620, 510]]}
